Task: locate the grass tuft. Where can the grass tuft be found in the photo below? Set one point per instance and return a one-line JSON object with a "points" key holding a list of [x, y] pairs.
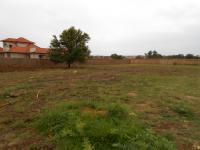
{"points": [[182, 109], [117, 111]]}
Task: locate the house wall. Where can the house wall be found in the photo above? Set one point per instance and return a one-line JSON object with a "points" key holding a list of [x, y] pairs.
{"points": [[14, 55], [23, 56], [34, 56], [38, 56], [18, 55], [22, 44], [33, 49]]}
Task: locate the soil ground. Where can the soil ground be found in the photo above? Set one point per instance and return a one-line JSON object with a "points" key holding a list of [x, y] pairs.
{"points": [[166, 98]]}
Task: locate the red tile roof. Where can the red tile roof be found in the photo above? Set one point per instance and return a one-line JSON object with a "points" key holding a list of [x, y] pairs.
{"points": [[9, 40], [20, 40], [17, 49], [42, 50], [23, 40]]}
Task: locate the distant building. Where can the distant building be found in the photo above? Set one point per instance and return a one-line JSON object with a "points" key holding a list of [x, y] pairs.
{"points": [[22, 48]]}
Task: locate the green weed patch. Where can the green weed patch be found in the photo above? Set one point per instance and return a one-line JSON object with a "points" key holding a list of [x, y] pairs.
{"points": [[70, 128]]}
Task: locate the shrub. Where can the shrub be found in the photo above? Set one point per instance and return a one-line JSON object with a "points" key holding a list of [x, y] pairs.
{"points": [[183, 109], [117, 111]]}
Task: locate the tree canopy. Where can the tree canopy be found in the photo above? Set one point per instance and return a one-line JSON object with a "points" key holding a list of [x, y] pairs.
{"points": [[153, 54], [116, 56], [70, 47]]}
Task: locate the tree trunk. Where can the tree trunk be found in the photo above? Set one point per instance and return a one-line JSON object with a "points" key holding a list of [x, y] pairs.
{"points": [[68, 65]]}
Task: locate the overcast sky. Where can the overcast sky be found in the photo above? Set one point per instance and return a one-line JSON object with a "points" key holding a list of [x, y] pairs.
{"points": [[127, 27]]}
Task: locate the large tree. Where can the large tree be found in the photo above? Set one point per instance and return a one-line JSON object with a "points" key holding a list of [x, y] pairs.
{"points": [[70, 47]]}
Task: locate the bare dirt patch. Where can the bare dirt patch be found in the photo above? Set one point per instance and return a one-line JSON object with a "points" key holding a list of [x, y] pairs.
{"points": [[146, 106], [167, 125], [132, 94], [92, 111], [191, 97]]}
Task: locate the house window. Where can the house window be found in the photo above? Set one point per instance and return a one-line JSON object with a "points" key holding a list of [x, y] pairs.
{"points": [[10, 46], [4, 44]]}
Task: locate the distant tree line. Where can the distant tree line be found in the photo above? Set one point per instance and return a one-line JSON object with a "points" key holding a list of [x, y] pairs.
{"points": [[155, 54]]}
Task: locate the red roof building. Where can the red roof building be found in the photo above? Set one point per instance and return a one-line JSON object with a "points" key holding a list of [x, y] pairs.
{"points": [[22, 48]]}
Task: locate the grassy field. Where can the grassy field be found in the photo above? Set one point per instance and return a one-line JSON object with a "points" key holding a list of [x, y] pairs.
{"points": [[101, 107]]}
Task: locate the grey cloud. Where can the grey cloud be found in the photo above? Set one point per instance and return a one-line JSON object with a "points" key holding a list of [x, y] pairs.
{"points": [[128, 27]]}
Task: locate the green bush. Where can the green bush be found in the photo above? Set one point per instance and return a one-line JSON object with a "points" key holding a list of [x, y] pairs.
{"points": [[116, 56], [116, 130], [182, 109], [117, 111]]}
